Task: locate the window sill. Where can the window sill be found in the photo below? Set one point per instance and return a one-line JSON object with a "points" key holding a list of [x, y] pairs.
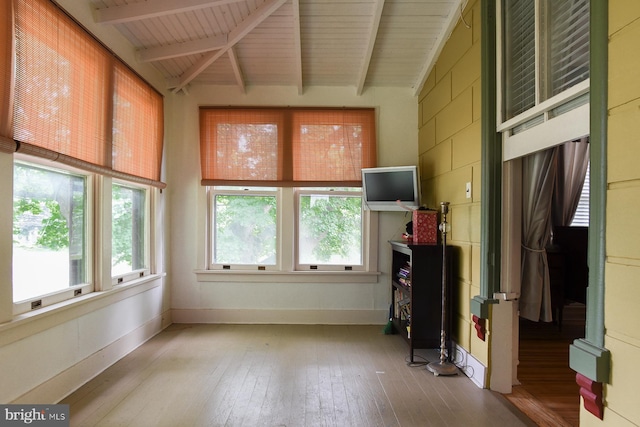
{"points": [[287, 276], [25, 324]]}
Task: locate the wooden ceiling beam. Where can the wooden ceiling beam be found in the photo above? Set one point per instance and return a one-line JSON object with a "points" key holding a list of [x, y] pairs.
{"points": [[373, 34], [182, 49], [297, 45], [152, 9], [237, 71], [237, 34]]}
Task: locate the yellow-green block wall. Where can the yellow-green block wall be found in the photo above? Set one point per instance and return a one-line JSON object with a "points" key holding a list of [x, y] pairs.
{"points": [[449, 150], [622, 267]]}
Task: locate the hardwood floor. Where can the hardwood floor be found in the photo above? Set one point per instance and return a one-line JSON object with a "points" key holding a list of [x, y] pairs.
{"points": [[548, 392], [282, 375]]}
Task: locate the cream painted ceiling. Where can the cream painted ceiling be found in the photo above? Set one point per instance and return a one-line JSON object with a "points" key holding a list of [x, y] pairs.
{"points": [[300, 43]]}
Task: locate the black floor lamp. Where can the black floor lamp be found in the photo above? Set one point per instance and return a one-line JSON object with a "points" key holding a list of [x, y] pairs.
{"points": [[443, 366]]}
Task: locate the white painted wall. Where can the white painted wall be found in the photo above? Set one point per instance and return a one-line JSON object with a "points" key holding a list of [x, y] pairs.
{"points": [[265, 302], [46, 354]]}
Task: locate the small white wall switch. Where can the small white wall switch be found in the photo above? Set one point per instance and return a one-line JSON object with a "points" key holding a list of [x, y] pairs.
{"points": [[468, 190]]}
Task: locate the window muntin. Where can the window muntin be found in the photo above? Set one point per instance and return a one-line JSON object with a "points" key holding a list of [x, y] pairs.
{"points": [[244, 227], [329, 229], [50, 217], [130, 235]]}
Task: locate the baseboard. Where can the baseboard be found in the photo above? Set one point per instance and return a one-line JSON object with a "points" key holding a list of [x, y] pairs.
{"points": [[58, 387], [471, 367], [293, 317]]}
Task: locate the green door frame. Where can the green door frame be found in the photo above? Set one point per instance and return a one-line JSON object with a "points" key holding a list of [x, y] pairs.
{"points": [[588, 356], [491, 168]]}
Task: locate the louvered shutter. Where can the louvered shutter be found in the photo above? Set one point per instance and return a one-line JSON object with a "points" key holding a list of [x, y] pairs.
{"points": [[520, 56]]}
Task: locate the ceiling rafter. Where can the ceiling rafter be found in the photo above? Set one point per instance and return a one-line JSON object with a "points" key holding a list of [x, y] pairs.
{"points": [[298, 45], [152, 9], [237, 71], [237, 34], [373, 34], [182, 49]]}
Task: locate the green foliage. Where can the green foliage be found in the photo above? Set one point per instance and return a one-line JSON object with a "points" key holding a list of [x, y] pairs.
{"points": [[53, 232], [334, 223], [245, 229], [127, 226], [121, 233]]}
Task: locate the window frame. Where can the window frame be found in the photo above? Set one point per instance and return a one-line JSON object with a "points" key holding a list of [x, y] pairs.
{"points": [[287, 271], [288, 176], [124, 278], [48, 299], [212, 191], [100, 170], [550, 122], [298, 266]]}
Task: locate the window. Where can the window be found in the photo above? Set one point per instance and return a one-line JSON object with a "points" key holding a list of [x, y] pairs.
{"points": [[537, 72], [93, 120], [244, 227], [284, 187], [50, 239], [129, 241], [545, 74], [329, 228]]}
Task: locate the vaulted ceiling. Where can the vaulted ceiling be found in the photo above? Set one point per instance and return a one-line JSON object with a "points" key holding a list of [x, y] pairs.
{"points": [[301, 43]]}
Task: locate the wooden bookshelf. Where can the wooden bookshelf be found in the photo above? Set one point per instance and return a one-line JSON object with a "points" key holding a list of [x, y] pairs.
{"points": [[416, 293]]}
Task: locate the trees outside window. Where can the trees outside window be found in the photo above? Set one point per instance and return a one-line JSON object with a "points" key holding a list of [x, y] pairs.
{"points": [[49, 231]]}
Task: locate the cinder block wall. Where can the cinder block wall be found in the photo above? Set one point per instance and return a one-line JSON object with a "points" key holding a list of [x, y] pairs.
{"points": [[622, 269], [449, 150]]}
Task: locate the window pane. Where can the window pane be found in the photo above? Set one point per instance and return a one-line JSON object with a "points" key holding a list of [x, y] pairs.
{"points": [[568, 44], [330, 229], [520, 60], [244, 229], [49, 241], [128, 232]]}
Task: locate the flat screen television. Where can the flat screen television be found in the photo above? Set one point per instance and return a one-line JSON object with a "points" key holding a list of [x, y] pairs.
{"points": [[384, 187]]}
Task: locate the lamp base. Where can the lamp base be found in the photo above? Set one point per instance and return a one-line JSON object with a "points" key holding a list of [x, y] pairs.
{"points": [[442, 368]]}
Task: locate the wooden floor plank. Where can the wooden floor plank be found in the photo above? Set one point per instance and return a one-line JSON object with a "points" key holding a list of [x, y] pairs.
{"points": [[548, 390], [281, 375]]}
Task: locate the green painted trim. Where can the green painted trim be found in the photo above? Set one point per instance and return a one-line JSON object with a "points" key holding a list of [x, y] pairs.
{"points": [[588, 356], [591, 361], [480, 306], [491, 164]]}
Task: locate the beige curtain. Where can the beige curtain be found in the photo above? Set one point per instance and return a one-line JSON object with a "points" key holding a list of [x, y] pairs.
{"points": [[538, 181]]}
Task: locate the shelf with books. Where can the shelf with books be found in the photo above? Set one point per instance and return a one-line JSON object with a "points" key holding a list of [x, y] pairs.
{"points": [[416, 293]]}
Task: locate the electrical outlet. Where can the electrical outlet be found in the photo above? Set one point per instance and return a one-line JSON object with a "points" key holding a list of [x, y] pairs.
{"points": [[468, 190]]}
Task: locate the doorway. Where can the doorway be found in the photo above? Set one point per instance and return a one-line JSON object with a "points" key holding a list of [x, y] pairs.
{"points": [[544, 385]]}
